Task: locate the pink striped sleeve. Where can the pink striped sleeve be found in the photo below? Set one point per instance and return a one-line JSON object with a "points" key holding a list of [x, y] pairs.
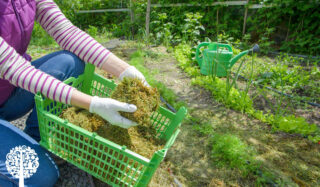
{"points": [[37, 82], [51, 15], [64, 36], [68, 94], [52, 23], [14, 62], [60, 97], [101, 53], [10, 55], [102, 59], [86, 53], [24, 79], [55, 90], [68, 36], [74, 39], [85, 47], [32, 76], [83, 39], [19, 72], [17, 69], [49, 88], [49, 23], [44, 83], [94, 52]]}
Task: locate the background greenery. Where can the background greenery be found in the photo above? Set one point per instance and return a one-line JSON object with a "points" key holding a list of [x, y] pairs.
{"points": [[289, 26]]}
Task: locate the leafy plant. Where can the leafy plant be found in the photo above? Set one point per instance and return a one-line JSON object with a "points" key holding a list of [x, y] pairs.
{"points": [[292, 124], [192, 27], [92, 31], [229, 150], [167, 32], [162, 32], [225, 38]]}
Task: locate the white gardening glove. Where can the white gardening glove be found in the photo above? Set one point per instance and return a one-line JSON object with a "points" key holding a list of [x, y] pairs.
{"points": [[109, 109], [132, 72]]}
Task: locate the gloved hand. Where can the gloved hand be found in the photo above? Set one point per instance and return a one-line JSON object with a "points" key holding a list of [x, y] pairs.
{"points": [[109, 109], [132, 72]]}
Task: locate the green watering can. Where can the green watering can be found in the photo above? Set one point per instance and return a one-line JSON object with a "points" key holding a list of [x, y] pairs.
{"points": [[218, 58]]}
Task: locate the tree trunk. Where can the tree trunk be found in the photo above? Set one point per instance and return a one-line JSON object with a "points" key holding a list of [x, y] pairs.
{"points": [[245, 19]]}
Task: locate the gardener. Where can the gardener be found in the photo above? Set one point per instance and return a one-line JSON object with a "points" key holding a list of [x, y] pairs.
{"points": [[20, 79]]}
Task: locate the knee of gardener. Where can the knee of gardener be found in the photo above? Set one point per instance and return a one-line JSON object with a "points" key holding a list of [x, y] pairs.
{"points": [[49, 179], [72, 63], [47, 174], [64, 65]]}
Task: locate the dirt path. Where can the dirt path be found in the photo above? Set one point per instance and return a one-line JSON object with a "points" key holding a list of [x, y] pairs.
{"points": [[292, 158]]}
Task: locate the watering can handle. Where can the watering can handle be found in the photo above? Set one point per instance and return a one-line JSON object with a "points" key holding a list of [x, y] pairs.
{"points": [[224, 46], [198, 58]]}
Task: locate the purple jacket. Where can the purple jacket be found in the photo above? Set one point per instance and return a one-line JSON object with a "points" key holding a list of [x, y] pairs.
{"points": [[16, 24]]}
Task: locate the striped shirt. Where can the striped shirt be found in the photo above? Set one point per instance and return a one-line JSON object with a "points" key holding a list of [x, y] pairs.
{"points": [[21, 73]]}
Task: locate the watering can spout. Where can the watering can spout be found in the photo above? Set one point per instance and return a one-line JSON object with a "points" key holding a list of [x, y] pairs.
{"points": [[236, 58], [255, 49]]}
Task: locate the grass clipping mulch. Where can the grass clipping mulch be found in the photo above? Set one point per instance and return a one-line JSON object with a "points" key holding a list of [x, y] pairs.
{"points": [[140, 139]]}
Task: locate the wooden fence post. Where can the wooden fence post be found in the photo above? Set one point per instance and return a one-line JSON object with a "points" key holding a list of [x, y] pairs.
{"points": [[132, 19], [245, 19], [288, 28], [148, 19]]}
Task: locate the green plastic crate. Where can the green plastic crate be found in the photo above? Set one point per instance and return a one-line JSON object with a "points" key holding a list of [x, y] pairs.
{"points": [[110, 162]]}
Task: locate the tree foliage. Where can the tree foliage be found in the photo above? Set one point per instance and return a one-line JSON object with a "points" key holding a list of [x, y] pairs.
{"points": [[289, 25]]}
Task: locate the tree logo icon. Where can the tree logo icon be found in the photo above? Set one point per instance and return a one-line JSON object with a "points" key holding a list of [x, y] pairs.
{"points": [[22, 162]]}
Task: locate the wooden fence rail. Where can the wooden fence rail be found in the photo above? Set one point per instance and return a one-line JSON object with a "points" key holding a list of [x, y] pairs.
{"points": [[104, 10], [226, 3], [149, 6]]}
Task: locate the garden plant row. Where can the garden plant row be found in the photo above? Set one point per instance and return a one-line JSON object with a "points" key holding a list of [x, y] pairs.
{"points": [[224, 91]]}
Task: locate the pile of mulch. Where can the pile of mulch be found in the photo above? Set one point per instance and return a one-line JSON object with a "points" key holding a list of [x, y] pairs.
{"points": [[140, 139]]}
